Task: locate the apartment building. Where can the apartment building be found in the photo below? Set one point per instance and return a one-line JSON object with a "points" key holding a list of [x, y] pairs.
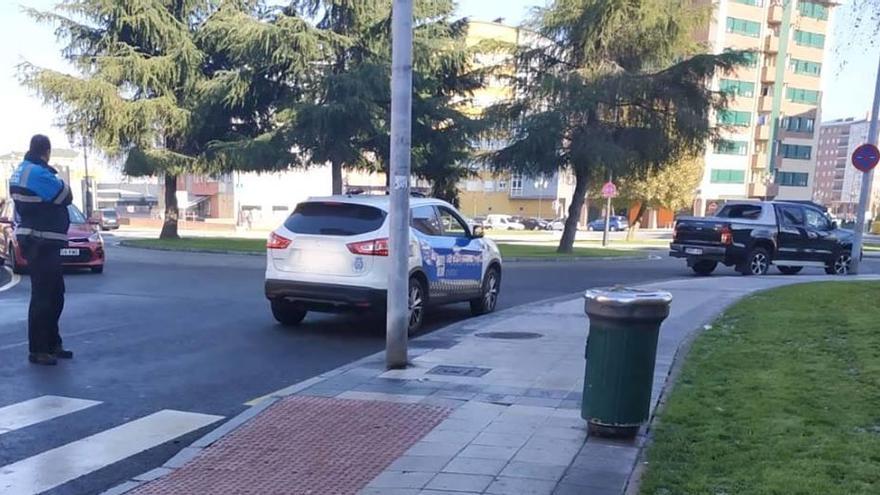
{"points": [[769, 133], [487, 191], [838, 184]]}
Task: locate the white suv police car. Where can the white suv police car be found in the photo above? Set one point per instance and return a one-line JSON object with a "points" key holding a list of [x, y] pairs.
{"points": [[331, 255]]}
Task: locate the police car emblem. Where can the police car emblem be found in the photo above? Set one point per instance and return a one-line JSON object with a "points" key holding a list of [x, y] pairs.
{"points": [[358, 264]]}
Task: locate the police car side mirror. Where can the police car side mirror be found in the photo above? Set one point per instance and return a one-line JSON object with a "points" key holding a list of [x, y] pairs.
{"points": [[477, 232]]}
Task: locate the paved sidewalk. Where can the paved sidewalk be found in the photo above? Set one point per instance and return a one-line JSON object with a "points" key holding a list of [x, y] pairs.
{"points": [[490, 405]]}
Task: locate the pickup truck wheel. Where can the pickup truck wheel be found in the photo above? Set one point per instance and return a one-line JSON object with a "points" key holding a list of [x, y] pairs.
{"points": [[839, 265], [789, 270], [704, 268], [757, 262]]}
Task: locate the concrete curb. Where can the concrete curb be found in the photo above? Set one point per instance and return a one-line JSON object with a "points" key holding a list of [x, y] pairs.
{"points": [[518, 259]]}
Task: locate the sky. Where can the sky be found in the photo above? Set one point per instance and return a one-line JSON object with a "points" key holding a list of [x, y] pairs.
{"points": [[850, 65]]}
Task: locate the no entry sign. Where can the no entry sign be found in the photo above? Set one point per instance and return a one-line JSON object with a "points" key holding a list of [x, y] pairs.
{"points": [[866, 157]]}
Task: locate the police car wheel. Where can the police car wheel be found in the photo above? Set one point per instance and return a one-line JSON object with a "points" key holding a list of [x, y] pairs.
{"points": [[287, 313], [417, 299], [489, 298]]}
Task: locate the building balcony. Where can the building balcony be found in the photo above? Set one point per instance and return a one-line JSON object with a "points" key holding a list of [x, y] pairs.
{"points": [[761, 190], [762, 132], [765, 104], [759, 161], [768, 74], [771, 44], [774, 14]]}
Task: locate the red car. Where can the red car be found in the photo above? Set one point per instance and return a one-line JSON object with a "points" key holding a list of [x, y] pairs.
{"points": [[85, 246]]}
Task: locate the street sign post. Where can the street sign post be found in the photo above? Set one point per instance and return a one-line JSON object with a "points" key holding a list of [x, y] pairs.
{"points": [[609, 190], [401, 136], [866, 157]]}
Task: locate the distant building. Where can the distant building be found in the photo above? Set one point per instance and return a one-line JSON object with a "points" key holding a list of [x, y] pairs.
{"points": [[504, 192], [838, 184]]}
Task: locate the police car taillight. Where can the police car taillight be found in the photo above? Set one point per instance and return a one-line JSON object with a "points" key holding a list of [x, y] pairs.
{"points": [[375, 247], [276, 241]]}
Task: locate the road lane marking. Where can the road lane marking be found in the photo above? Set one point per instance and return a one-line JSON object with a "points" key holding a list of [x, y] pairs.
{"points": [[33, 411], [13, 281], [66, 463]]}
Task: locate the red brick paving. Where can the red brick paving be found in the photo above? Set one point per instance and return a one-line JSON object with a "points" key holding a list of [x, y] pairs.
{"points": [[304, 445]]}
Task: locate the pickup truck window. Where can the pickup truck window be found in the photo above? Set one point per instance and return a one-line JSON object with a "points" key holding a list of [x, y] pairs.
{"points": [[747, 212], [792, 216], [817, 221]]}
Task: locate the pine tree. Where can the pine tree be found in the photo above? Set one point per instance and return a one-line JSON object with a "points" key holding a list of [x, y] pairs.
{"points": [[609, 85], [159, 85]]}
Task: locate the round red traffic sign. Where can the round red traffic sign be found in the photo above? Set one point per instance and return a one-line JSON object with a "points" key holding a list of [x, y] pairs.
{"points": [[609, 190], [866, 157]]}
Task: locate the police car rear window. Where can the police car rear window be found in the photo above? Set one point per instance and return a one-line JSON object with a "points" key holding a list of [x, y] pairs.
{"points": [[342, 219]]}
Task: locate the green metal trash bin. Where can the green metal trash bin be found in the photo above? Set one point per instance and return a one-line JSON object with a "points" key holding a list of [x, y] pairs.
{"points": [[621, 351]]}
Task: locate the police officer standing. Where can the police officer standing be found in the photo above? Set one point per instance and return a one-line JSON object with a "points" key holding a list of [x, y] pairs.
{"points": [[41, 200]]}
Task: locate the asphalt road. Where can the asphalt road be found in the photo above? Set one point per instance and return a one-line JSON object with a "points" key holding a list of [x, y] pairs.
{"points": [[192, 332]]}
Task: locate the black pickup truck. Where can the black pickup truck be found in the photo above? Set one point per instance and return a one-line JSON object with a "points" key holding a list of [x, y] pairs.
{"points": [[751, 236]]}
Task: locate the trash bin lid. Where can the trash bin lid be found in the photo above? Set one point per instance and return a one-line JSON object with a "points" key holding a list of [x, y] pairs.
{"points": [[626, 296]]}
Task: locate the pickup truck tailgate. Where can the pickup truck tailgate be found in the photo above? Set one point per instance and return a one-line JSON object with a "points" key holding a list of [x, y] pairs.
{"points": [[698, 231]]}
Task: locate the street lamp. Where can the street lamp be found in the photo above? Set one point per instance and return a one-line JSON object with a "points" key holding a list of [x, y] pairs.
{"points": [[541, 184]]}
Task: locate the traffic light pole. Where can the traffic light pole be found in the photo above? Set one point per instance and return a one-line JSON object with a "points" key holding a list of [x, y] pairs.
{"points": [[401, 135], [867, 182]]}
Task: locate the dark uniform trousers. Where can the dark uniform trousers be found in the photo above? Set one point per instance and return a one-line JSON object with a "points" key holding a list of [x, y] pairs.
{"points": [[47, 294]]}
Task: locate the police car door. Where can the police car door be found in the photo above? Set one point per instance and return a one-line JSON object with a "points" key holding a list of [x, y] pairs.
{"points": [[463, 271]]}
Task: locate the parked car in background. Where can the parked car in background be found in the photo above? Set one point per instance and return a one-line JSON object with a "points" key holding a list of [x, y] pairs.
{"points": [[107, 219], [557, 225], [85, 246], [482, 222], [533, 223], [331, 255], [615, 223], [751, 236], [504, 222]]}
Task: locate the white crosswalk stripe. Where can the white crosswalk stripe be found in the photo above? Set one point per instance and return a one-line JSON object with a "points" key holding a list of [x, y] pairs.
{"points": [[31, 412], [52, 468]]}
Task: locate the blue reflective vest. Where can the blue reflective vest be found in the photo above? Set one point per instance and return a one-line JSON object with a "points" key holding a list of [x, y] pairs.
{"points": [[41, 201]]}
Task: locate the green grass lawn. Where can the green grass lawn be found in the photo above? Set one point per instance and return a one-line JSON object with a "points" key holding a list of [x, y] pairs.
{"points": [[780, 396], [235, 244], [871, 247], [259, 246], [549, 251]]}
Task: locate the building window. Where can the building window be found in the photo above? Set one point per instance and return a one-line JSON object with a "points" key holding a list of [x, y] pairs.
{"points": [[806, 96], [796, 151], [737, 88], [743, 27], [516, 185], [798, 124], [735, 118], [805, 67], [806, 38], [814, 10], [756, 3], [793, 179], [726, 176], [725, 147]]}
